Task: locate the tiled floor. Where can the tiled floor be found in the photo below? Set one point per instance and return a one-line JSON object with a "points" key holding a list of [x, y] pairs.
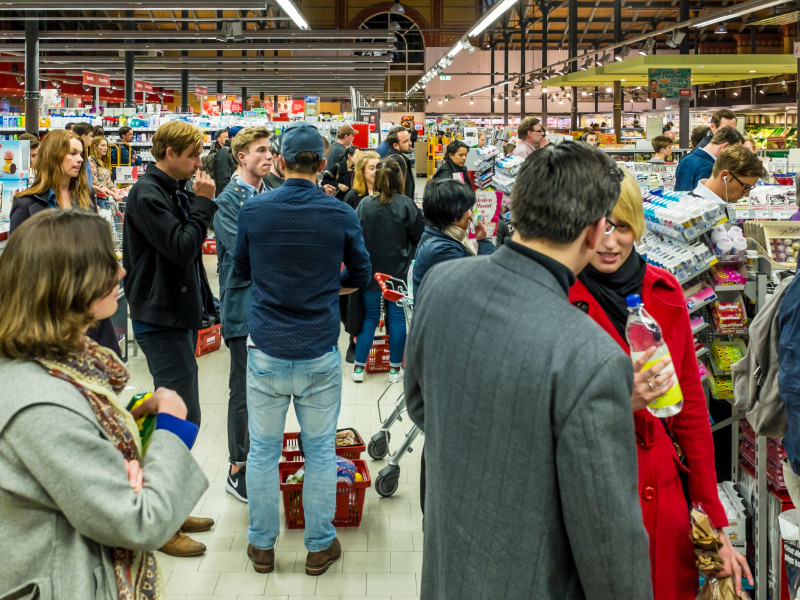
{"points": [[381, 558]]}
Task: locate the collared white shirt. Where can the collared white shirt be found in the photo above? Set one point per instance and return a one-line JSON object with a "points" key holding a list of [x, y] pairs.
{"points": [[709, 153], [524, 149], [704, 192]]}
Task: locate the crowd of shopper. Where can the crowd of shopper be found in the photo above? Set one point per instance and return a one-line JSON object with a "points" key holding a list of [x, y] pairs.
{"points": [[565, 394]]}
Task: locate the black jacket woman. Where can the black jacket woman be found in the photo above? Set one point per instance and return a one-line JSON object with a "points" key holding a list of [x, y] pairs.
{"points": [[364, 178], [61, 182], [392, 226], [455, 158], [342, 174]]}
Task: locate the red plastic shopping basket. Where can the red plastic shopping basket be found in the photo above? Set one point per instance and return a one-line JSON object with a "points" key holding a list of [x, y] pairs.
{"points": [[349, 498], [378, 359], [291, 449], [208, 340]]}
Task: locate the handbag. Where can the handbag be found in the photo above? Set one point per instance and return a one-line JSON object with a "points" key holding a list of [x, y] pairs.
{"points": [[683, 473]]}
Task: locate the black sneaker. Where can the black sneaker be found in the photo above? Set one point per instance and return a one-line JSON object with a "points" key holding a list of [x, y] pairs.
{"points": [[350, 357], [236, 485]]}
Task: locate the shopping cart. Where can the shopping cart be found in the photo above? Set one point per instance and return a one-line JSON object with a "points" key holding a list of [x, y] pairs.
{"points": [[117, 221], [394, 290]]}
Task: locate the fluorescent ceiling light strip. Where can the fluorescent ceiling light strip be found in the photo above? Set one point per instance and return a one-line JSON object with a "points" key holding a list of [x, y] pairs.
{"points": [[491, 16], [290, 9], [737, 11], [488, 87], [455, 50]]}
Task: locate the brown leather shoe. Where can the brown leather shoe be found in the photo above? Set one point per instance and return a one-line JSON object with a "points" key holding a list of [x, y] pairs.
{"points": [[319, 562], [263, 560], [181, 544], [196, 524]]}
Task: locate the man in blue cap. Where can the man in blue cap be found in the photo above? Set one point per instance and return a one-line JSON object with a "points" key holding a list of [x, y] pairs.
{"points": [[301, 249]]}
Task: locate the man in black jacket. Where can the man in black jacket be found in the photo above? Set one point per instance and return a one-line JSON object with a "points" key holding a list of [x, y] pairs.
{"points": [[399, 146], [166, 285]]}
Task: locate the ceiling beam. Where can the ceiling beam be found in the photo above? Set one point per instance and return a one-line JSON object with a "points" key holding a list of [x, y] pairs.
{"points": [[265, 34], [320, 46]]}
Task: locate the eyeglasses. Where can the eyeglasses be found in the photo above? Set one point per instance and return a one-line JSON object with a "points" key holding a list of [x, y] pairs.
{"points": [[537, 130], [610, 226], [745, 188]]}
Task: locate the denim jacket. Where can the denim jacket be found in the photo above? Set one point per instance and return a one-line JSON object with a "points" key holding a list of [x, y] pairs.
{"points": [[234, 292]]}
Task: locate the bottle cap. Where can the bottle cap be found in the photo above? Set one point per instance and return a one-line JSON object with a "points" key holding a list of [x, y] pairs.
{"points": [[633, 300]]}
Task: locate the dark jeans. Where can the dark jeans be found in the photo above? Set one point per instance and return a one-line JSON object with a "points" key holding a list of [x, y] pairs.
{"points": [[171, 361], [238, 433]]}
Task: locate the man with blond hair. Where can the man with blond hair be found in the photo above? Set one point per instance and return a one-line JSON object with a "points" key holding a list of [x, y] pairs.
{"points": [[252, 150], [165, 282]]}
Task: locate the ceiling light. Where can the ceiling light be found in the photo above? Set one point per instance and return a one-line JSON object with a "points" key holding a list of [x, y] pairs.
{"points": [[440, 100], [735, 93], [447, 98], [394, 25], [622, 53], [720, 29], [561, 102], [20, 80], [742, 8], [599, 62], [527, 93], [380, 102], [583, 93], [676, 39], [517, 100], [490, 17], [454, 50], [609, 90], [397, 8], [761, 91], [471, 101], [606, 58], [290, 9], [647, 47]]}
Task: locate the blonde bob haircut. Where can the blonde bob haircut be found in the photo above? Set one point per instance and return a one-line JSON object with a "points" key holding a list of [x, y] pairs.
{"points": [[48, 283], [242, 140], [178, 135], [55, 146], [359, 183], [629, 206]]}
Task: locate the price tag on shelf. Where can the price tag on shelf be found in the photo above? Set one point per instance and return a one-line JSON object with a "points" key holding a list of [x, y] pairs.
{"points": [[743, 214], [762, 214], [781, 214], [126, 174]]}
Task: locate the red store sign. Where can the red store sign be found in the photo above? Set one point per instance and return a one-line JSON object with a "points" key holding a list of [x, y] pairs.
{"points": [[201, 91], [96, 79], [142, 86]]}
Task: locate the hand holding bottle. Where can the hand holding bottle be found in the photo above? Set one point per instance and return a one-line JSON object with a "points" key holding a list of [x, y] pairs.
{"points": [[649, 384]]}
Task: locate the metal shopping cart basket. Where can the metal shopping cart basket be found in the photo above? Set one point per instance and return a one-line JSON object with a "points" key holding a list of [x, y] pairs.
{"points": [[393, 290], [117, 221]]}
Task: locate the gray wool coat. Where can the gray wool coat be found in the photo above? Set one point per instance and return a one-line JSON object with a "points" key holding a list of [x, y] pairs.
{"points": [[529, 441], [65, 499]]}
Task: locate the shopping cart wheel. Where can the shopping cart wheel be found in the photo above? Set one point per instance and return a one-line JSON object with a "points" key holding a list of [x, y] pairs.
{"points": [[388, 480], [378, 445]]}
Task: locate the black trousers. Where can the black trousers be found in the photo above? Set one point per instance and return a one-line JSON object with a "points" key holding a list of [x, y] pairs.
{"points": [[171, 361], [238, 433]]}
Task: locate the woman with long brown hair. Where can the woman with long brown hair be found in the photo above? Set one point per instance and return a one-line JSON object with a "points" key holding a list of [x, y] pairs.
{"points": [[85, 503], [364, 178], [60, 182], [392, 226], [100, 160]]}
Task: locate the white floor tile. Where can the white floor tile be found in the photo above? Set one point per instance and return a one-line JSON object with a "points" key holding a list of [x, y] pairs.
{"points": [[224, 560], [400, 583], [291, 583], [192, 582], [366, 562], [242, 583], [406, 562], [342, 584], [390, 542]]}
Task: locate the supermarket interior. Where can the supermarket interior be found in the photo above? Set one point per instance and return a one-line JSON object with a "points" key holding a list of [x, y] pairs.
{"points": [[691, 108]]}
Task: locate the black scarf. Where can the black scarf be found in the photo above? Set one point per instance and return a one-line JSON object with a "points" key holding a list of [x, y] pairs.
{"points": [[611, 289]]}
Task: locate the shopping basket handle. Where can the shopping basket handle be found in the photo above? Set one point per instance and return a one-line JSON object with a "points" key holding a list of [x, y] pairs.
{"points": [[388, 293]]}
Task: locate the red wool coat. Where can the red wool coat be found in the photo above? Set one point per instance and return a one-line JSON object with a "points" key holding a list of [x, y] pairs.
{"points": [[664, 507]]}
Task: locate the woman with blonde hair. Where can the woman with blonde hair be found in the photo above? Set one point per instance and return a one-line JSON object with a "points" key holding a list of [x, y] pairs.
{"points": [[101, 169], [364, 178], [84, 506], [616, 272], [60, 181]]}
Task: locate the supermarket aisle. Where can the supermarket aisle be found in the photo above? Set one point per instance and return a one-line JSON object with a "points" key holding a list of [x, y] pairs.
{"points": [[381, 559]]}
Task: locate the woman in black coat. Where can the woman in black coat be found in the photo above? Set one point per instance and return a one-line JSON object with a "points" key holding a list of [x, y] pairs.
{"points": [[341, 174], [454, 160]]}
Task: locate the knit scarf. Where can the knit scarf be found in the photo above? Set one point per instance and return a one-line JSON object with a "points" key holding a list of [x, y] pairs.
{"points": [[100, 376], [460, 235]]}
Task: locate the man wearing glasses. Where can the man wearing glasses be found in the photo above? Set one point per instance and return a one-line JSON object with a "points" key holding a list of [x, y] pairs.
{"points": [[531, 134], [736, 172]]}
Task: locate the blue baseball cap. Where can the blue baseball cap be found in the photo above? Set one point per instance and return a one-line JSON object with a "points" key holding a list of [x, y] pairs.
{"points": [[301, 136], [232, 131]]}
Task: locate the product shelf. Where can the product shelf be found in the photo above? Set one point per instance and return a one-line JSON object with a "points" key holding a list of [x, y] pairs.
{"points": [[699, 328], [701, 305]]}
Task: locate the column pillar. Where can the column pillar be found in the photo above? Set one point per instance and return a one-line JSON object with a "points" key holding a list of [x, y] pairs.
{"points": [[573, 52], [545, 5], [130, 75], [617, 116], [32, 95], [684, 121], [523, 47]]}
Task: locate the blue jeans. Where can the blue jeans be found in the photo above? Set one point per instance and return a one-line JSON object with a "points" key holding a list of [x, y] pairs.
{"points": [[397, 329], [316, 386]]}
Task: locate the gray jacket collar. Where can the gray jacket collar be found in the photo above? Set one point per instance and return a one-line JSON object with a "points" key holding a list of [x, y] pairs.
{"points": [[527, 268]]}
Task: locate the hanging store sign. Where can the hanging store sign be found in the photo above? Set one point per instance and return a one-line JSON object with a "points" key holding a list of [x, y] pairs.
{"points": [[797, 49], [200, 91], [368, 115], [312, 106], [142, 86], [298, 107], [96, 79], [669, 83]]}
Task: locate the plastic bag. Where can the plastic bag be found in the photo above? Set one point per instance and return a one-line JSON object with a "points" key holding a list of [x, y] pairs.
{"points": [[707, 544], [345, 470], [719, 589]]}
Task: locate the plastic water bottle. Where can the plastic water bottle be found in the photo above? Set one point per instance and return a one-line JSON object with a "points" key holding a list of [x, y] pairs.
{"points": [[643, 332]]}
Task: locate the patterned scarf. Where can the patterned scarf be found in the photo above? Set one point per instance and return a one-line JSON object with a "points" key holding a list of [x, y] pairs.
{"points": [[100, 376]]}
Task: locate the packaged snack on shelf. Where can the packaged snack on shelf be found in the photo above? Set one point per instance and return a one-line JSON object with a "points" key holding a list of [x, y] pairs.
{"points": [[725, 353], [699, 294], [729, 275]]}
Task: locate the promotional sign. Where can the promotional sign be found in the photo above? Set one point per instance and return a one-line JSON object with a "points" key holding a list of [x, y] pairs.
{"points": [[368, 115], [298, 107], [312, 106], [236, 107], [200, 91], [126, 174], [797, 49], [669, 83], [142, 86], [96, 79]]}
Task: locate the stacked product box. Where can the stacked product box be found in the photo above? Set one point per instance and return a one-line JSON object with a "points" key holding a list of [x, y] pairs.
{"points": [[14, 172], [484, 167]]}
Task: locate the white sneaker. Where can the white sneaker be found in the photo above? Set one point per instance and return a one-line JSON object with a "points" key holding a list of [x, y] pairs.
{"points": [[358, 374], [395, 375]]}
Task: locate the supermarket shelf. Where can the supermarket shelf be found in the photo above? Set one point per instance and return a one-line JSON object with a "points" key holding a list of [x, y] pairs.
{"points": [[729, 288], [737, 333], [718, 371], [702, 352], [701, 271], [761, 214], [701, 305], [674, 235], [699, 328]]}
